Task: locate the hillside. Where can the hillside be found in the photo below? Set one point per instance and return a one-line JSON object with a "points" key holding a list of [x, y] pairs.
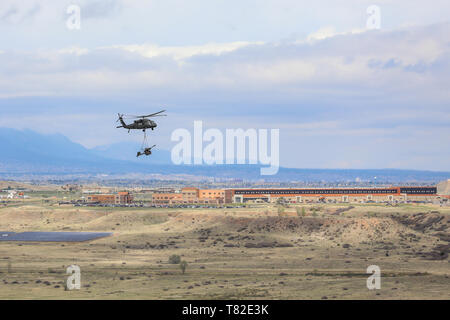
{"points": [[238, 253]]}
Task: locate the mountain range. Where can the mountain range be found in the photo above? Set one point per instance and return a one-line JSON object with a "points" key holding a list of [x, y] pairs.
{"points": [[29, 152]]}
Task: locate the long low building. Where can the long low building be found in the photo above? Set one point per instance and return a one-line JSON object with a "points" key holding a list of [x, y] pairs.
{"points": [[192, 195], [298, 195], [118, 198]]}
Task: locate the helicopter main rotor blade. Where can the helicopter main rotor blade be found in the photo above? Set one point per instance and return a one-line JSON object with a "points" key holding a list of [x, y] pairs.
{"points": [[156, 114], [129, 116]]}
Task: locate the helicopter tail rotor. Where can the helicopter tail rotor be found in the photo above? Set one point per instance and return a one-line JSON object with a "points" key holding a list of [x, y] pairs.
{"points": [[123, 125]]}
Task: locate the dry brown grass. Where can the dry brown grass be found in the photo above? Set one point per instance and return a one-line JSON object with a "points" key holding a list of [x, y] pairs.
{"points": [[248, 253]]}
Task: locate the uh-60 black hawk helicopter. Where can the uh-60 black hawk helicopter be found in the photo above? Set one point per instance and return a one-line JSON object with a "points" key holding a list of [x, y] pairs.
{"points": [[141, 123]]}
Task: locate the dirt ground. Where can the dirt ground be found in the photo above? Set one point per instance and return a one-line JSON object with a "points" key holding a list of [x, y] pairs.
{"points": [[319, 252]]}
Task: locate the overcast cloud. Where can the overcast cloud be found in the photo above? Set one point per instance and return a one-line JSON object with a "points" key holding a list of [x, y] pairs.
{"points": [[342, 96]]}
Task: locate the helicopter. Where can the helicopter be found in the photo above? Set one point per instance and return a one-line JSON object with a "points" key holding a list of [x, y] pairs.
{"points": [[141, 122]]}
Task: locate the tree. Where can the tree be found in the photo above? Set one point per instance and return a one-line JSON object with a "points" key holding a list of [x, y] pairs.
{"points": [[183, 266], [174, 259]]}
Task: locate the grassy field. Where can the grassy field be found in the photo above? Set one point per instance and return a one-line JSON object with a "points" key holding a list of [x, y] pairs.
{"points": [[321, 252]]}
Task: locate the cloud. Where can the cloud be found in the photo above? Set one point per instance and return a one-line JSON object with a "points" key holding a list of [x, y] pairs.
{"points": [[329, 32], [101, 8], [14, 12], [181, 53], [344, 65], [34, 11], [36, 24], [366, 99]]}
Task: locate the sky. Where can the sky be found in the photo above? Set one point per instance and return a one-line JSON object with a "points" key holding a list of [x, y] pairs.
{"points": [[342, 95]]}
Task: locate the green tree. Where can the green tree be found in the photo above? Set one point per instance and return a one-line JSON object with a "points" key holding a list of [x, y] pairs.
{"points": [[174, 259]]}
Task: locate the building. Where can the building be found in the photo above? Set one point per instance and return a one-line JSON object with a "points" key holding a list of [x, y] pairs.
{"points": [[167, 198], [190, 195], [216, 196], [118, 198], [388, 194]]}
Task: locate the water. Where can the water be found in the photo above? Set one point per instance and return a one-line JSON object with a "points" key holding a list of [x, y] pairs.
{"points": [[52, 236]]}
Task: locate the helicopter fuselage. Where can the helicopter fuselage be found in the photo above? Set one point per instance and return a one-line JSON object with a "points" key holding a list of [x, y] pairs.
{"points": [[141, 124]]}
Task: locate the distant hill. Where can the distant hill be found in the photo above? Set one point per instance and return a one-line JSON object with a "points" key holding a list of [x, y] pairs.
{"points": [[18, 185], [29, 152]]}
